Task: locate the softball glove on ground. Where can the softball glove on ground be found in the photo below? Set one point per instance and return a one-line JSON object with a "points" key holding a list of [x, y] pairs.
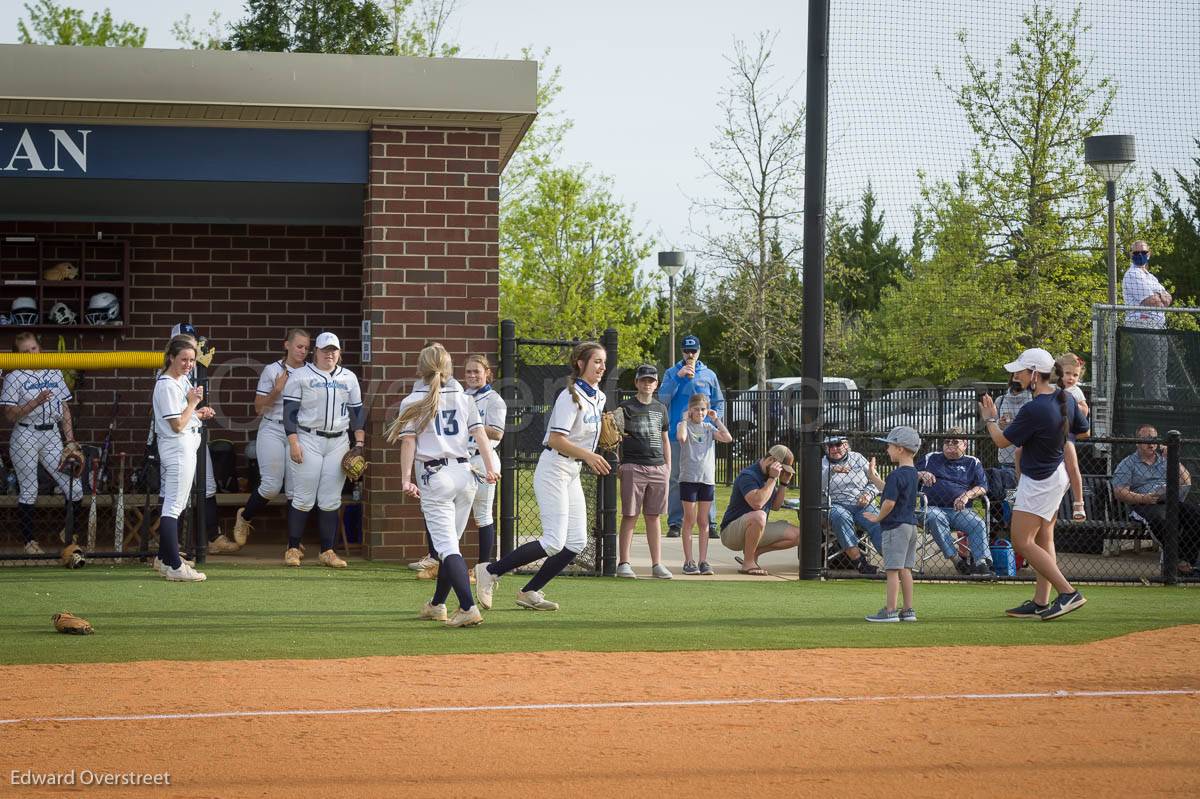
{"points": [[71, 624]]}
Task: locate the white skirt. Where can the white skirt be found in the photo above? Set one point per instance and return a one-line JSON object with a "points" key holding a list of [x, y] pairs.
{"points": [[1042, 497]]}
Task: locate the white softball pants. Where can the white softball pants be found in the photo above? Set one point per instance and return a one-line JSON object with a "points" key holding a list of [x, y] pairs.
{"points": [[446, 496], [485, 495], [271, 447], [177, 469], [27, 448], [559, 493], [320, 478]]}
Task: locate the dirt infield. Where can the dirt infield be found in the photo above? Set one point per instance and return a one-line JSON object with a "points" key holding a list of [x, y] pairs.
{"points": [[862, 722]]}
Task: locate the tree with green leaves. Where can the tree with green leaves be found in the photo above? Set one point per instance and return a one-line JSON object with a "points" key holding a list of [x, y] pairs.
{"points": [[756, 162], [50, 23], [1177, 252], [569, 256], [860, 260], [354, 27]]}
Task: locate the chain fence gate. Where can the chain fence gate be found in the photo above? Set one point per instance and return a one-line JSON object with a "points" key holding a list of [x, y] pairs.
{"points": [[533, 372]]}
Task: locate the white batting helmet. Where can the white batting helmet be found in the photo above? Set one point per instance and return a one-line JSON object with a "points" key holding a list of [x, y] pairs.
{"points": [[103, 309], [24, 311], [60, 314]]}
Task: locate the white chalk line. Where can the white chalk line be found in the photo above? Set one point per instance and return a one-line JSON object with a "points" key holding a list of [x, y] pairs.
{"points": [[662, 703]]}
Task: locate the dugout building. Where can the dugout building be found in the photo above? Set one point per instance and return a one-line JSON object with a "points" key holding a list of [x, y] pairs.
{"points": [[251, 192]]}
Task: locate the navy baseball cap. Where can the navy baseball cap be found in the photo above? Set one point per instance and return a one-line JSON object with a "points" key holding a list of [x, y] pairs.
{"points": [[183, 329], [646, 370], [690, 343]]}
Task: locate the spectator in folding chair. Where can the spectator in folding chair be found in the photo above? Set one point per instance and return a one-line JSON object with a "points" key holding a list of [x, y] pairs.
{"points": [[1140, 481], [844, 476], [950, 481]]}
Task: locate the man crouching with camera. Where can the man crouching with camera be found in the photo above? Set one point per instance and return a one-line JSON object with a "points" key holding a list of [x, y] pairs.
{"points": [[758, 490]]}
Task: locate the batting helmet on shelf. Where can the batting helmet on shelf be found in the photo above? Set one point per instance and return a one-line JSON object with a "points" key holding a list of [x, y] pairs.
{"points": [[103, 309], [4, 320], [25, 311], [60, 314]]}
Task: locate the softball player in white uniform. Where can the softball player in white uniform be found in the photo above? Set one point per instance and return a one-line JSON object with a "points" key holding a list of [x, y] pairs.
{"points": [[271, 444], [35, 401], [492, 411], [321, 401], [218, 543], [435, 425], [570, 441], [177, 425]]}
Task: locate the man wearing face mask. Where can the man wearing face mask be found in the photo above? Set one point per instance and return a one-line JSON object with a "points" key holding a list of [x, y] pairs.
{"points": [[1140, 287]]}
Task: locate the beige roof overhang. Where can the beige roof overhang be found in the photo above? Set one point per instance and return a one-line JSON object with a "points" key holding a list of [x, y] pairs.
{"points": [[142, 86]]}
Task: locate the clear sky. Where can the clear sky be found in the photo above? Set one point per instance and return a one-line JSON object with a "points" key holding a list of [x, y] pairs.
{"points": [[641, 80]]}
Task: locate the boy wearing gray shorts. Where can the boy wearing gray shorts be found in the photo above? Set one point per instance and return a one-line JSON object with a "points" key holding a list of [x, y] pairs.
{"points": [[898, 521]]}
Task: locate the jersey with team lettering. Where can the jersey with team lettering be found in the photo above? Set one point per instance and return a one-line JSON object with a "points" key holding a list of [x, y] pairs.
{"points": [[22, 385], [326, 399], [266, 384], [579, 423], [170, 401], [492, 410], [447, 434]]}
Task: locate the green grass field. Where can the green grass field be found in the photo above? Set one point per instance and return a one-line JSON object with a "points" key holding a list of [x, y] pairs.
{"points": [[254, 612]]}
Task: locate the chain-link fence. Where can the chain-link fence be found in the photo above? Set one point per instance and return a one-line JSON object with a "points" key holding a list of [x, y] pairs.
{"points": [[1140, 525], [533, 373]]}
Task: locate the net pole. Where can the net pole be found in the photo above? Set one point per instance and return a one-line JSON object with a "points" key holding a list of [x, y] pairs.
{"points": [[815, 148]]}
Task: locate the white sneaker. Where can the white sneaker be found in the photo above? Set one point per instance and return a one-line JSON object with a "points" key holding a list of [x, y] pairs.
{"points": [[185, 574], [533, 600], [485, 585], [163, 568], [434, 612], [33, 548], [423, 564], [661, 572], [466, 618], [625, 570]]}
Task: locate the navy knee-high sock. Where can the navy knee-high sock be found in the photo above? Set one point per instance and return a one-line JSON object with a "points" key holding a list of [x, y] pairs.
{"points": [[168, 541], [253, 505], [296, 520], [442, 589], [212, 517], [550, 569], [455, 569], [327, 522], [487, 542], [25, 521], [526, 553], [429, 543]]}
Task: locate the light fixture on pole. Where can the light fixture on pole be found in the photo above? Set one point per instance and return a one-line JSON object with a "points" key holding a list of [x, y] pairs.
{"points": [[1110, 156], [671, 261]]}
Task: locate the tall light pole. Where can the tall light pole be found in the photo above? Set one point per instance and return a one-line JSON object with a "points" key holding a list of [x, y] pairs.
{"points": [[671, 261], [1110, 156]]}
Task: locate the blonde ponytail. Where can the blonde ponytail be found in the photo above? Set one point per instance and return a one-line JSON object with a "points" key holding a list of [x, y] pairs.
{"points": [[436, 369]]}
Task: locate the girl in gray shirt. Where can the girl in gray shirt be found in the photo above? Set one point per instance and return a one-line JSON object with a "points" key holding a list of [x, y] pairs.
{"points": [[697, 433]]}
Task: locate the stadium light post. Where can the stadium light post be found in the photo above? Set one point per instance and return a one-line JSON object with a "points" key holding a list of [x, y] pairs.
{"points": [[671, 261], [1110, 156]]}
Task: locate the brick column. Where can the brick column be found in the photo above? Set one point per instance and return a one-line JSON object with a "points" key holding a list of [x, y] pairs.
{"points": [[430, 273]]}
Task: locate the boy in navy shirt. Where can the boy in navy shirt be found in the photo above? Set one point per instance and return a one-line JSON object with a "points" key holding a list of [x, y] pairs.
{"points": [[897, 518]]}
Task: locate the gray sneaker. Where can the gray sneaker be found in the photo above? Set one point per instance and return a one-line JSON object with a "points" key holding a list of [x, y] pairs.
{"points": [[908, 615], [885, 615], [661, 572], [690, 567], [625, 570], [705, 569]]}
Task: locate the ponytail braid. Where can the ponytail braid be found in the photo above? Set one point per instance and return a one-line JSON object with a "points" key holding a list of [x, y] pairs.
{"points": [[1061, 396]]}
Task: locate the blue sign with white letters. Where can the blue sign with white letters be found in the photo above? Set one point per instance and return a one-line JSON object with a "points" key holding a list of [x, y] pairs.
{"points": [[127, 152]]}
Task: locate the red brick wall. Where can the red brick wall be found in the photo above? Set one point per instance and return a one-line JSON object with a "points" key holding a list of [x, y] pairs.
{"points": [[430, 266], [240, 285]]}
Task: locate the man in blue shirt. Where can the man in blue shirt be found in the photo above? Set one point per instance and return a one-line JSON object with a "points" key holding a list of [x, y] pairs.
{"points": [[950, 481], [758, 490], [687, 377], [1140, 481]]}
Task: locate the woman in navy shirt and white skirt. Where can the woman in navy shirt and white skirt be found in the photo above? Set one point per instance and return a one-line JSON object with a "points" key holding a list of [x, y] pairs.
{"points": [[1041, 430]]}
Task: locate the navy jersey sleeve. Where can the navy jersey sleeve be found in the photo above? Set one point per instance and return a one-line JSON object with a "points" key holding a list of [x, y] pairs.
{"points": [[748, 481], [1079, 422], [1023, 427]]}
